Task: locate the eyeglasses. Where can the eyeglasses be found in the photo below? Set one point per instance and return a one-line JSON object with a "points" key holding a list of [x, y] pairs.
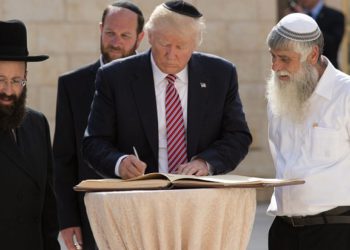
{"points": [[16, 83]]}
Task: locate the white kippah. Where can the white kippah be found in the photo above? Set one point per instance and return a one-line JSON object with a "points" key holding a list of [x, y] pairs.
{"points": [[298, 27]]}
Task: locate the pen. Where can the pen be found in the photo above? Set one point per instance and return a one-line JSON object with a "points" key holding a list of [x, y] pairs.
{"points": [[137, 156], [135, 153]]}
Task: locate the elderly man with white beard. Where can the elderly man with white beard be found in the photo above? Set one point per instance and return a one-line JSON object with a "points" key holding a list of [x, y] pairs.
{"points": [[309, 127]]}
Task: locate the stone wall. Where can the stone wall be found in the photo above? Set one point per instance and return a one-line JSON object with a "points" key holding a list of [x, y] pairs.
{"points": [[68, 31]]}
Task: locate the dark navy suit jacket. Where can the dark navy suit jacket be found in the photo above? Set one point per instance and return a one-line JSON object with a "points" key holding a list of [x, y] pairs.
{"points": [[331, 23], [124, 114], [75, 93]]}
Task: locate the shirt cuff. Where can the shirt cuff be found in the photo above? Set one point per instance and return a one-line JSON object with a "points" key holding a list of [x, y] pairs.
{"points": [[210, 168], [117, 165]]}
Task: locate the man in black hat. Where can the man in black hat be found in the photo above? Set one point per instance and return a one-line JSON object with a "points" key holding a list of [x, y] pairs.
{"points": [[121, 33], [178, 108], [28, 218]]}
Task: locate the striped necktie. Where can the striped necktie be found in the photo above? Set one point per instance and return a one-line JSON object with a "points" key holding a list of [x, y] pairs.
{"points": [[175, 126]]}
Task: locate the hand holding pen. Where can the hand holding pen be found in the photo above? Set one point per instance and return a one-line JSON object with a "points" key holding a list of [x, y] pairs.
{"points": [[132, 166]]}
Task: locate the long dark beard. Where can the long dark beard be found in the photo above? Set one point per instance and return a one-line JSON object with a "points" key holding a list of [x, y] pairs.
{"points": [[12, 116]]}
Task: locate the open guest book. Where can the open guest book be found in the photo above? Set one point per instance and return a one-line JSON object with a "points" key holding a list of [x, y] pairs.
{"points": [[171, 181]]}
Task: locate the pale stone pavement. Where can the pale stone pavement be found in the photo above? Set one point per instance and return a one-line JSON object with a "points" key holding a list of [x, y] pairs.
{"points": [[258, 238]]}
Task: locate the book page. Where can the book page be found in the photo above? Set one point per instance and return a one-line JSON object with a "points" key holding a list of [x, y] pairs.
{"points": [[231, 181], [228, 178], [163, 181], [119, 184]]}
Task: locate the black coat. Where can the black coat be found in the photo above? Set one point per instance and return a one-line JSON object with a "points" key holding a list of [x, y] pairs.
{"points": [[28, 218], [124, 114], [74, 97]]}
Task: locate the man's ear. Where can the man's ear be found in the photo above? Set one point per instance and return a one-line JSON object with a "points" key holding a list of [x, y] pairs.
{"points": [[139, 38], [312, 58]]}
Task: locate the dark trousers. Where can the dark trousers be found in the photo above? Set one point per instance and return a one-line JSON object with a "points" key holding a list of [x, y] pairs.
{"points": [[283, 236]]}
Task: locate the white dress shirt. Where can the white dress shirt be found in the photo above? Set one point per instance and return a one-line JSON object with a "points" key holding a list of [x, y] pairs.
{"points": [[318, 151], [160, 83]]}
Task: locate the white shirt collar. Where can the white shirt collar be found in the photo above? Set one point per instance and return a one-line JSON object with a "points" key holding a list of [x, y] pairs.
{"points": [[325, 84], [101, 61]]}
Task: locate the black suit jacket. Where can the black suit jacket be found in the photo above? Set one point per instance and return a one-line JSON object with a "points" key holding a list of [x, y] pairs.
{"points": [[28, 216], [74, 97], [331, 23], [124, 114]]}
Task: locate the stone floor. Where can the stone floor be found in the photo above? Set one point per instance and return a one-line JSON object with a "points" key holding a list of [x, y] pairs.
{"points": [[258, 238]]}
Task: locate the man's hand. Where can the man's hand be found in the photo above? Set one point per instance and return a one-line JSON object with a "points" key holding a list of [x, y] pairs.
{"points": [[131, 167], [196, 167], [68, 237]]}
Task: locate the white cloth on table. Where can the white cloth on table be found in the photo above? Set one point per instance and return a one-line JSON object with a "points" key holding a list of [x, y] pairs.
{"points": [[196, 219]]}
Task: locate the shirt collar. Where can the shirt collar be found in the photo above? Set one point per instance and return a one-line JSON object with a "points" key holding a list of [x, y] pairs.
{"points": [[326, 83], [158, 75], [317, 9], [101, 61]]}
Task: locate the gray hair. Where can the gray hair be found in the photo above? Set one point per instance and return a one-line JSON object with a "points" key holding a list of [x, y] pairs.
{"points": [[162, 18], [276, 41]]}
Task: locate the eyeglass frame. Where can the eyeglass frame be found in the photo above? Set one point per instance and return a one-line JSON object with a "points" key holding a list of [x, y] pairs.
{"points": [[13, 82]]}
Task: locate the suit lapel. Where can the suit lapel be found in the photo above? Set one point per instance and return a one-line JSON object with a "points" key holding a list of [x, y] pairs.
{"points": [[321, 15], [15, 154], [143, 89], [94, 67], [87, 94], [93, 71], [198, 87]]}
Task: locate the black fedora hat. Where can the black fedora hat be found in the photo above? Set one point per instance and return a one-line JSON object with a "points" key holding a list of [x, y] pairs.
{"points": [[13, 43]]}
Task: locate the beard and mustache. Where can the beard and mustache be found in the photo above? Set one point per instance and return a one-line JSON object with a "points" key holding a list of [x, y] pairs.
{"points": [[290, 98], [11, 116], [107, 55]]}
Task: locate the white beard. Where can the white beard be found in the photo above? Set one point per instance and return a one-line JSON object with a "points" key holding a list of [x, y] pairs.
{"points": [[290, 98]]}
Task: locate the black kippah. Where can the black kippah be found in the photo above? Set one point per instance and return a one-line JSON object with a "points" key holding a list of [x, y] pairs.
{"points": [[128, 5], [182, 8]]}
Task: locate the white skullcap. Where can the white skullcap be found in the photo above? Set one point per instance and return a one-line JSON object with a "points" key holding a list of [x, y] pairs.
{"points": [[298, 27]]}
